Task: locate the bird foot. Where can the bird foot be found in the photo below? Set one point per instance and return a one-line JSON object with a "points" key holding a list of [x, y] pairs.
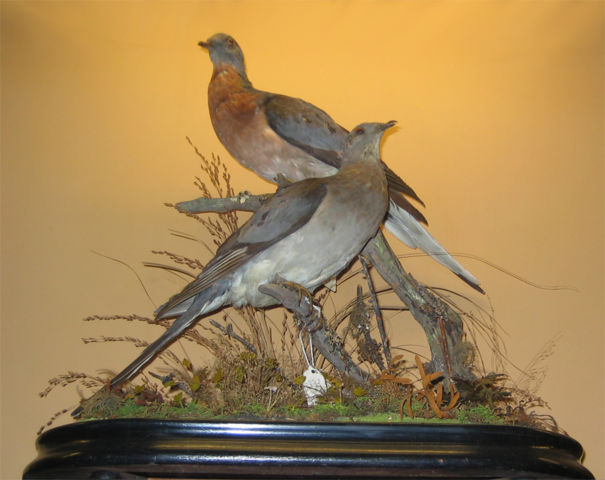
{"points": [[282, 181], [298, 300]]}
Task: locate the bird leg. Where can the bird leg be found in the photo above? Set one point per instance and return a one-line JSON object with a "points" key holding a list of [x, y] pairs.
{"points": [[298, 300], [282, 181]]}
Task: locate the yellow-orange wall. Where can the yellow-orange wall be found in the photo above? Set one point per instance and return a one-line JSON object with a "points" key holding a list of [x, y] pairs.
{"points": [[500, 108]]}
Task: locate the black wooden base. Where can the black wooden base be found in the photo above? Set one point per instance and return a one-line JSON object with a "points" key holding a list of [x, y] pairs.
{"points": [[140, 448]]}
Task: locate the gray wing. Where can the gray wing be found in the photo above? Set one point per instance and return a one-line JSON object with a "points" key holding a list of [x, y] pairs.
{"points": [[397, 184], [398, 190], [312, 130], [305, 126], [284, 213]]}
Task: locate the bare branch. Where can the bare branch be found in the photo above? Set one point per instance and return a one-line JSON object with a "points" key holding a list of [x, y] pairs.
{"points": [[244, 201], [296, 299], [428, 310], [228, 330]]}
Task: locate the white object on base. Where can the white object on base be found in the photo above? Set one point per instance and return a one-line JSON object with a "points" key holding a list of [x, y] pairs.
{"points": [[314, 386]]}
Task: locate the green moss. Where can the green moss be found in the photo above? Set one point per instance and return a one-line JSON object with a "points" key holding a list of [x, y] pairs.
{"points": [[478, 414], [393, 417], [327, 412], [129, 409]]}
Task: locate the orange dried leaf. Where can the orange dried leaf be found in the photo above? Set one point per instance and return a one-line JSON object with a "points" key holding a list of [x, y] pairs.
{"points": [[420, 366], [402, 380], [431, 377], [409, 406], [453, 399], [395, 360]]}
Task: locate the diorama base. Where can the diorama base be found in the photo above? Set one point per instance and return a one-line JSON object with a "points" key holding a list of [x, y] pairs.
{"points": [[143, 448]]}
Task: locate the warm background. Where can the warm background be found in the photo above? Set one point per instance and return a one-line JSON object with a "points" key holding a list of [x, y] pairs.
{"points": [[500, 107]]}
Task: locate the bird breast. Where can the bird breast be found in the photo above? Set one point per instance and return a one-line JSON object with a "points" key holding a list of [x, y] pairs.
{"points": [[242, 128]]}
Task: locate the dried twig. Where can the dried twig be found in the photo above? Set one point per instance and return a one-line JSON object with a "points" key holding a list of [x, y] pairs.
{"points": [[228, 330], [378, 314]]}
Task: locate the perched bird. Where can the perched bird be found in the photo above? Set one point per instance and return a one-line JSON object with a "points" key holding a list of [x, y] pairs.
{"points": [[286, 240], [279, 136]]}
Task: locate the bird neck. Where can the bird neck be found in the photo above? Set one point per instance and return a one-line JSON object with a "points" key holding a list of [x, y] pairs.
{"points": [[366, 164], [231, 99], [229, 73], [366, 177], [366, 155], [367, 161]]}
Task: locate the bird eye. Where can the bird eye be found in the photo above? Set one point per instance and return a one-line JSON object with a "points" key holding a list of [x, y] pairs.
{"points": [[359, 131], [230, 43]]}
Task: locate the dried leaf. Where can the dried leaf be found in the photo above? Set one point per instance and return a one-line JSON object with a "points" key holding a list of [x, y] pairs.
{"points": [[218, 376], [360, 392], [240, 373], [195, 383], [439, 398]]}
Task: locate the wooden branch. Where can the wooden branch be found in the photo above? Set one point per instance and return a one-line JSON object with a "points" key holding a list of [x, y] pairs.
{"points": [[244, 201], [296, 299], [428, 310]]}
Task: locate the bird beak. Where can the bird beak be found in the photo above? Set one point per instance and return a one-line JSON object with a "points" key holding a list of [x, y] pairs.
{"points": [[386, 126], [205, 45]]}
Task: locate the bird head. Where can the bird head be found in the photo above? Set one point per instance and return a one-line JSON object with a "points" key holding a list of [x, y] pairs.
{"points": [[224, 49], [364, 141]]}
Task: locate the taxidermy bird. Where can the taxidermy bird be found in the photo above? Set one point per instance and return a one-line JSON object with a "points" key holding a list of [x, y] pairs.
{"points": [[306, 234]]}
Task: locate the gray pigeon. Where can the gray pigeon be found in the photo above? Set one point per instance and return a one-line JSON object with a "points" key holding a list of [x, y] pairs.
{"points": [[307, 233]]}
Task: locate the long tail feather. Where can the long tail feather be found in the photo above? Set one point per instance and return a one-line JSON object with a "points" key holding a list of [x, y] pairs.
{"points": [[205, 302], [407, 229]]}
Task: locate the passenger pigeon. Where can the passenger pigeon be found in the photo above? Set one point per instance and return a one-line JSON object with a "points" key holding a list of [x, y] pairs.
{"points": [[279, 137], [286, 239]]}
